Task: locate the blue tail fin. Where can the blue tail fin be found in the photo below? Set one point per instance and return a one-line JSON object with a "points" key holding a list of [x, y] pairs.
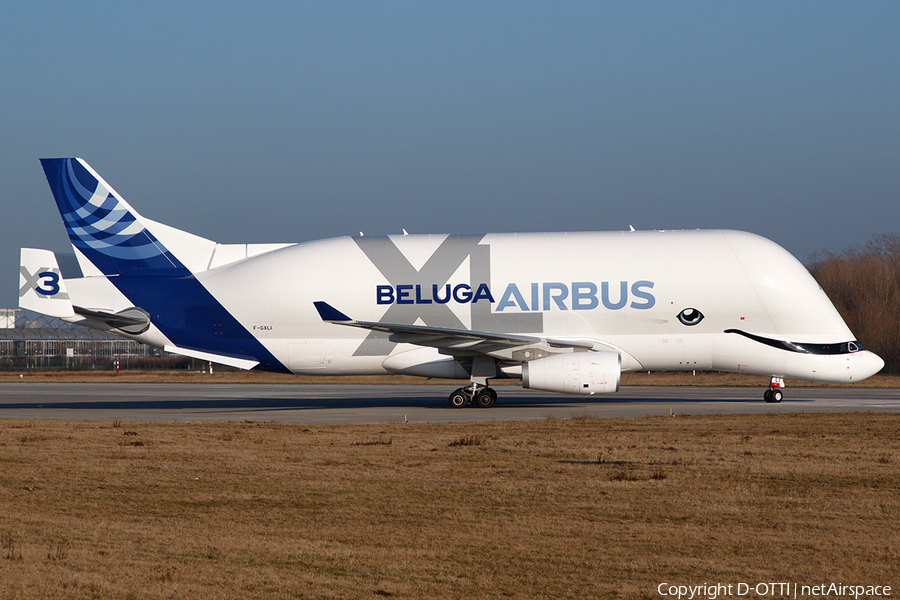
{"points": [[101, 225]]}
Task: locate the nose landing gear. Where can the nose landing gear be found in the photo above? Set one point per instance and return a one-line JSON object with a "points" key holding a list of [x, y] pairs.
{"points": [[774, 394]]}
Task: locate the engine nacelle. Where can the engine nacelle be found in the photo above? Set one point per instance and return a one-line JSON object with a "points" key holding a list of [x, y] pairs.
{"points": [[584, 373]]}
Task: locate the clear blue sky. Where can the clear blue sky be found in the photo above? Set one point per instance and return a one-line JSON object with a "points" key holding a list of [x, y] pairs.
{"points": [[292, 121]]}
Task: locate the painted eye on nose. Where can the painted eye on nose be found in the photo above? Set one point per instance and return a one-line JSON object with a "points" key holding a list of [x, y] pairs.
{"points": [[690, 316]]}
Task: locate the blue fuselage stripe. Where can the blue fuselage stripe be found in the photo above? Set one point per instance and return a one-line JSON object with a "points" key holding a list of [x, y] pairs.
{"points": [[188, 315]]}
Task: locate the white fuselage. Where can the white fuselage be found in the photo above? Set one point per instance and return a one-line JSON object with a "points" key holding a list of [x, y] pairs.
{"points": [[618, 290]]}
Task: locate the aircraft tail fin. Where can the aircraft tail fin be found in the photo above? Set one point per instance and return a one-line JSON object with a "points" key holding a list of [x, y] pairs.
{"points": [[41, 284], [108, 233]]}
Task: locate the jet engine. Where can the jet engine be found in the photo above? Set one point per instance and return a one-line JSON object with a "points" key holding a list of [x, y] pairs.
{"points": [[584, 373]]}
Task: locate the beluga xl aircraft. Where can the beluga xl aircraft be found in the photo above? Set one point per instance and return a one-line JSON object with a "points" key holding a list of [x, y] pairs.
{"points": [[563, 312]]}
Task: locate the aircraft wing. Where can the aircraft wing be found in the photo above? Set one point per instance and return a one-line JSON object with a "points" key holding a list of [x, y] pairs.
{"points": [[453, 341]]}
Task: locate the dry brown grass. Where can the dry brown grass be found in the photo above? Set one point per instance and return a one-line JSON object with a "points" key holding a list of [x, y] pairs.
{"points": [[701, 378], [578, 508]]}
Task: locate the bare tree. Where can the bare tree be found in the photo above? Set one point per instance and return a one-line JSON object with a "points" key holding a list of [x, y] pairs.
{"points": [[863, 282]]}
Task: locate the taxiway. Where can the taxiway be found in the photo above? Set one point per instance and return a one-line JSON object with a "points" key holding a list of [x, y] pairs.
{"points": [[304, 403]]}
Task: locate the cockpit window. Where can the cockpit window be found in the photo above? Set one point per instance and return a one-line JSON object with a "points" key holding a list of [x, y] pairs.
{"points": [[804, 348], [843, 348]]}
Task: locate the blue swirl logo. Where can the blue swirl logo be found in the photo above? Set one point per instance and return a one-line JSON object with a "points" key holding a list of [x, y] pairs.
{"points": [[96, 220]]}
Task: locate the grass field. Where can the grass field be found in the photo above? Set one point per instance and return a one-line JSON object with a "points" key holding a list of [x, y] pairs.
{"points": [[576, 508]]}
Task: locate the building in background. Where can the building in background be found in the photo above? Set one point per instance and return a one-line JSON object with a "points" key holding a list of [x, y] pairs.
{"points": [[8, 317], [30, 340]]}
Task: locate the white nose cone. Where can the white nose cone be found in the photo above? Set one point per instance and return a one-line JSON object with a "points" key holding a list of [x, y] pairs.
{"points": [[865, 364]]}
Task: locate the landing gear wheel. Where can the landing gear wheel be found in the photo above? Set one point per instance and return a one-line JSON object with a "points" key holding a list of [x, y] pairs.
{"points": [[459, 398], [486, 398], [773, 395]]}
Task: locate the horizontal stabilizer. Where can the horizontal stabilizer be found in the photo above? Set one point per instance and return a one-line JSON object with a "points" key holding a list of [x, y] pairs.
{"points": [[133, 320]]}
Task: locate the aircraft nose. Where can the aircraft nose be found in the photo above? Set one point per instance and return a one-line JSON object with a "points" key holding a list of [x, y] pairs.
{"points": [[866, 364]]}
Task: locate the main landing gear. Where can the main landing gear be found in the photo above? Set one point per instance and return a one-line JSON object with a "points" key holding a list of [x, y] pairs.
{"points": [[774, 393], [483, 369], [481, 395]]}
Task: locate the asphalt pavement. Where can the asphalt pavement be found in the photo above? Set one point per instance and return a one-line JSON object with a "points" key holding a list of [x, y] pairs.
{"points": [[337, 403]]}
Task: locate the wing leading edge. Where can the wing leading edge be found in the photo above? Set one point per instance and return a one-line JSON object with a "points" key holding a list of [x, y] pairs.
{"points": [[458, 342]]}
